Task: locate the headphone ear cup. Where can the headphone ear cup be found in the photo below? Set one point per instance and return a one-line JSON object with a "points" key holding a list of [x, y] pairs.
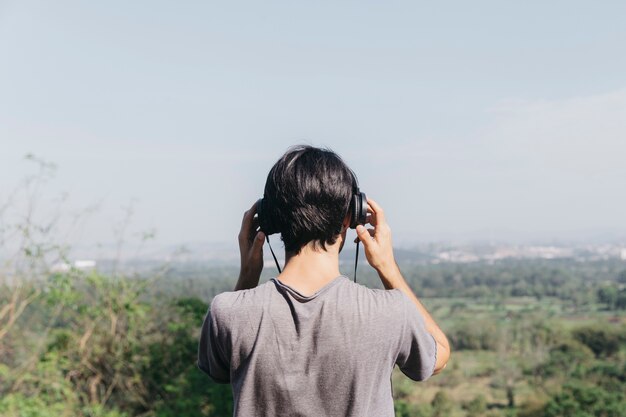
{"points": [[355, 210], [260, 212], [264, 221], [362, 217]]}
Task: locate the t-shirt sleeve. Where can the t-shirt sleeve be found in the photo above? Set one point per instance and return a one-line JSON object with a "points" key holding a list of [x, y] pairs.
{"points": [[211, 356], [417, 351]]}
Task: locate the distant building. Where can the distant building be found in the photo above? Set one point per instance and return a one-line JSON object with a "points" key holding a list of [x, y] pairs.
{"points": [[82, 265]]}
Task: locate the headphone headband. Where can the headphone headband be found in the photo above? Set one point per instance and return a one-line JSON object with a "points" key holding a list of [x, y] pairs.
{"points": [[357, 210]]}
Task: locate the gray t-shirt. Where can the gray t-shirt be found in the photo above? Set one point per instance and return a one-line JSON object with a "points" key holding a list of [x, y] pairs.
{"points": [[327, 354]]}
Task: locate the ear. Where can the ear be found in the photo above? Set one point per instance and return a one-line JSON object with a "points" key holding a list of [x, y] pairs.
{"points": [[346, 222]]}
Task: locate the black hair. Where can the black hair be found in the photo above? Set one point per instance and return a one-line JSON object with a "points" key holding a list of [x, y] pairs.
{"points": [[308, 193]]}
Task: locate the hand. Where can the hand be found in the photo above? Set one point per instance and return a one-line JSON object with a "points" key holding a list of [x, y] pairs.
{"points": [[377, 240], [250, 250]]}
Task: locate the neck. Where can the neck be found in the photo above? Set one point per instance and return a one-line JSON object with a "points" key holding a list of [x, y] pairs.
{"points": [[312, 268]]}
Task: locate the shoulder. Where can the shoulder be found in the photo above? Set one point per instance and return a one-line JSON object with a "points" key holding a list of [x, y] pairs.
{"points": [[387, 304], [383, 296], [224, 304]]}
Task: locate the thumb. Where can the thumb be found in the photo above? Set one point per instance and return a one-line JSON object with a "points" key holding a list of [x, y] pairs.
{"points": [[364, 235]]}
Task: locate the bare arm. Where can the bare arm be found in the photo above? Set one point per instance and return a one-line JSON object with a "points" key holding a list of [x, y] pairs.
{"points": [[251, 251], [379, 253]]}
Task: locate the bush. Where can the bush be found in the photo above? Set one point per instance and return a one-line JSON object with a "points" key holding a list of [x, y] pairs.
{"points": [[442, 404], [106, 347], [477, 407], [567, 358], [580, 400], [602, 341]]}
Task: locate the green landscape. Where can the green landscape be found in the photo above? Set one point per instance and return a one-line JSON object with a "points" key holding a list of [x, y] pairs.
{"points": [[530, 338]]}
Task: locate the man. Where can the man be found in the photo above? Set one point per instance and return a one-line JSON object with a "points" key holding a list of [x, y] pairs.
{"points": [[311, 342]]}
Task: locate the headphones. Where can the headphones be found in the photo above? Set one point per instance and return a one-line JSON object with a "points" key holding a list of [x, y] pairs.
{"points": [[357, 210]]}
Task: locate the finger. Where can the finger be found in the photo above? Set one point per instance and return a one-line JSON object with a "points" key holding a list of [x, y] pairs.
{"points": [[371, 216], [254, 226], [257, 244], [247, 218], [371, 232], [252, 234], [364, 235], [377, 210]]}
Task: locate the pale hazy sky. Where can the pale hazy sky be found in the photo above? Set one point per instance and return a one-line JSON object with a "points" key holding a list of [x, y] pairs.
{"points": [[480, 119]]}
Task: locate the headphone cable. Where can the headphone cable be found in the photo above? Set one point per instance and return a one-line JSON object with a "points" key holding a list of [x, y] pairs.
{"points": [[356, 258], [272, 250]]}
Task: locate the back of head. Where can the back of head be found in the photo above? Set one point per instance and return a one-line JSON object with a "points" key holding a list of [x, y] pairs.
{"points": [[308, 193]]}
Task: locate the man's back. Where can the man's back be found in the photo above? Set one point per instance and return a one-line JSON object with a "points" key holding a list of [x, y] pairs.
{"points": [[327, 354]]}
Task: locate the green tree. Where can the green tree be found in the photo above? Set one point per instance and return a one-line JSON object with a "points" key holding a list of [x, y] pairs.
{"points": [[580, 400], [569, 358], [608, 295], [602, 341]]}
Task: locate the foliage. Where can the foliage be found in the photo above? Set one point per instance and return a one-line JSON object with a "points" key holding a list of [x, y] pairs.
{"points": [[602, 341], [407, 409], [581, 400], [442, 405], [92, 345], [477, 407], [108, 351]]}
